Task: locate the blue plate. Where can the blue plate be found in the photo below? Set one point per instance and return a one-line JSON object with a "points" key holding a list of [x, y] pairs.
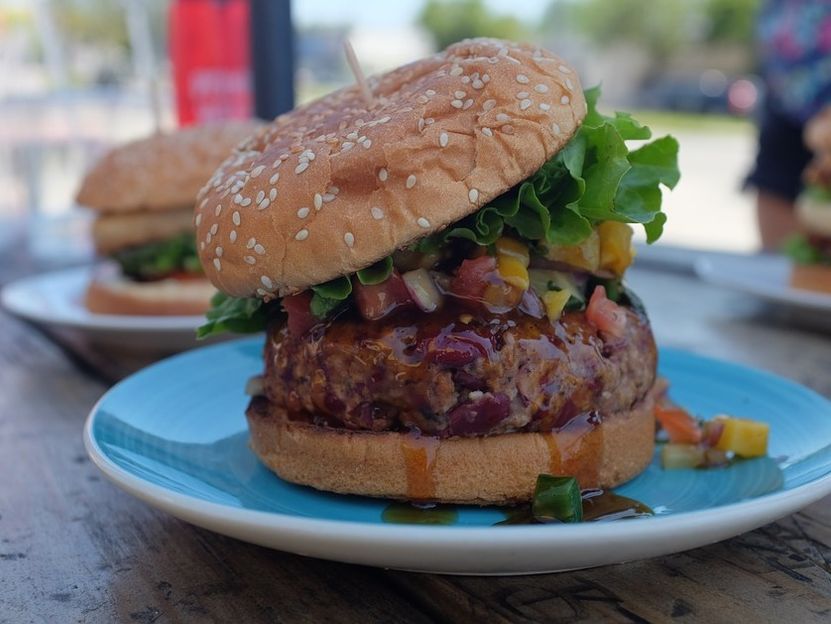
{"points": [[174, 435]]}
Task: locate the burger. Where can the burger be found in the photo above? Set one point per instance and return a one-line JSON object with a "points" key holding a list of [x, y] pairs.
{"points": [[144, 194], [439, 272], [810, 249]]}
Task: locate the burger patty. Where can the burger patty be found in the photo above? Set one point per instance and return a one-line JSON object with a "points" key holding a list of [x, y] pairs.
{"points": [[452, 373]]}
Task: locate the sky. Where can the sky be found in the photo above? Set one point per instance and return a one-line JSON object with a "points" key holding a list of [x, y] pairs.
{"points": [[392, 13]]}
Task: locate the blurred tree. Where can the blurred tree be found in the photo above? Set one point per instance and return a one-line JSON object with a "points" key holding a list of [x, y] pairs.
{"points": [[659, 26], [92, 21], [731, 21], [449, 21]]}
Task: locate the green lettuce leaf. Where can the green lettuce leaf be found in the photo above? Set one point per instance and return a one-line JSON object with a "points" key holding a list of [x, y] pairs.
{"points": [[801, 251], [159, 259], [247, 315], [594, 178], [327, 297]]}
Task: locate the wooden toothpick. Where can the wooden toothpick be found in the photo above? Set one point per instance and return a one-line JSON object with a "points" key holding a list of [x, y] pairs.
{"points": [[352, 60]]}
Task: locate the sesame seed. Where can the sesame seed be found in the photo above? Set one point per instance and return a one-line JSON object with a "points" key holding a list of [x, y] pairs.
{"points": [[217, 210], [459, 94], [259, 249], [352, 135], [502, 52], [465, 79], [488, 105], [386, 118], [456, 71], [318, 201], [503, 117], [257, 171], [411, 180], [251, 242], [273, 179], [456, 103], [382, 175], [249, 259], [513, 60], [443, 139], [421, 124], [202, 245], [261, 292], [555, 128], [485, 78], [564, 69], [544, 106], [422, 99], [214, 228], [245, 202], [377, 213], [569, 84], [478, 84], [327, 197], [367, 143], [264, 204], [301, 167], [422, 222], [522, 78], [526, 103], [217, 264], [260, 197], [218, 251], [473, 195], [346, 145], [468, 103], [233, 236], [429, 121], [272, 194], [237, 199], [333, 189], [266, 280], [349, 239], [302, 234], [198, 220], [522, 95], [565, 99], [303, 212], [541, 88], [487, 131], [429, 93], [235, 218]]}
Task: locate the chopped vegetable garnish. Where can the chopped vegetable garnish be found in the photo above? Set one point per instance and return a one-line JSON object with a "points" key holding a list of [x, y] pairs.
{"points": [[557, 499], [745, 438], [680, 426], [682, 456]]}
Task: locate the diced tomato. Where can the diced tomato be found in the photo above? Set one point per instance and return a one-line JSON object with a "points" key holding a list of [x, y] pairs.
{"points": [[378, 300], [679, 424], [605, 314], [300, 317], [472, 277]]}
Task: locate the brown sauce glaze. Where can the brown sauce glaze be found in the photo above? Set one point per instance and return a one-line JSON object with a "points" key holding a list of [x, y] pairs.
{"points": [[419, 457]]}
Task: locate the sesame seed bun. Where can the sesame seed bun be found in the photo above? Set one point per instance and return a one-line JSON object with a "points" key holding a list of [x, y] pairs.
{"points": [[161, 172], [110, 293], [488, 470], [336, 185]]}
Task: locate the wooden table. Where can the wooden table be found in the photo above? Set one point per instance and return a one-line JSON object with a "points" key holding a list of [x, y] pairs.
{"points": [[73, 548]]}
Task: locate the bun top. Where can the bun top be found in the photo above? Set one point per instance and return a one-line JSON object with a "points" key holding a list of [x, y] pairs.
{"points": [[336, 185], [161, 172], [814, 215]]}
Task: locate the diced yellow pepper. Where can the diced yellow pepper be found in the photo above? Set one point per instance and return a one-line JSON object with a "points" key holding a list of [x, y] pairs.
{"points": [[513, 271], [616, 251], [555, 301], [746, 438], [586, 255], [513, 249]]}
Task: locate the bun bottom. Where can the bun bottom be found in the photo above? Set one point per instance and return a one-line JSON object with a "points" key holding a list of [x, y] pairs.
{"points": [[167, 297], [814, 277], [488, 470]]}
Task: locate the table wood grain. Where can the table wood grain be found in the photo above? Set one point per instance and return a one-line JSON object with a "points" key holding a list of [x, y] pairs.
{"points": [[74, 548]]}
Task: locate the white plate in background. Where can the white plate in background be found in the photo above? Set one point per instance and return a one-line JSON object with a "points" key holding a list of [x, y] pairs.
{"points": [[56, 300]]}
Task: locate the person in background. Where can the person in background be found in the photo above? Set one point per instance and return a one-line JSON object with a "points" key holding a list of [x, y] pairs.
{"points": [[795, 49]]}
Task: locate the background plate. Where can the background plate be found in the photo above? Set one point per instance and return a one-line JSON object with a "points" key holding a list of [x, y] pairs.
{"points": [[55, 299], [174, 435]]}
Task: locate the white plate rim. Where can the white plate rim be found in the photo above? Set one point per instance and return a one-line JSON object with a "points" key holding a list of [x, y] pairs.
{"points": [[707, 269], [87, 320]]}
